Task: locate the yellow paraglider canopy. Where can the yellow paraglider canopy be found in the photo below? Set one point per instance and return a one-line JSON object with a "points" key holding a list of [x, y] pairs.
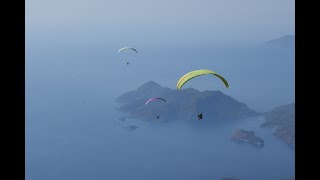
{"points": [[190, 75]]}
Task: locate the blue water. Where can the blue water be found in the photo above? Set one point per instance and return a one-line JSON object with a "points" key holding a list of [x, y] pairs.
{"points": [[87, 141], [73, 131]]}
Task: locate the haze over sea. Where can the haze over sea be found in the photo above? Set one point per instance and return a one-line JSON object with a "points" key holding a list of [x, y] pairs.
{"points": [[74, 74], [67, 138]]}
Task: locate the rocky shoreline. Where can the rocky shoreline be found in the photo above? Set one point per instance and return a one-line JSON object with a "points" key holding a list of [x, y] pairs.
{"points": [[282, 119]]}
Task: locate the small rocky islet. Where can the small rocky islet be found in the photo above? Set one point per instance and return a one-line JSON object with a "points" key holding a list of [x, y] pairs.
{"points": [[241, 135]]}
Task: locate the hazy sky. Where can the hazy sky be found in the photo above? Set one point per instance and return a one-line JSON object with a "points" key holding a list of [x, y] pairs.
{"points": [[165, 21], [91, 31], [71, 56]]}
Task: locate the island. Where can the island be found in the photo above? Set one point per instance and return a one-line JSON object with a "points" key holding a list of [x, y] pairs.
{"points": [[182, 105], [248, 137]]}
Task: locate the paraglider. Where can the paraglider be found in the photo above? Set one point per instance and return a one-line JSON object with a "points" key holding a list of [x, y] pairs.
{"points": [[127, 49], [153, 99], [190, 75]]}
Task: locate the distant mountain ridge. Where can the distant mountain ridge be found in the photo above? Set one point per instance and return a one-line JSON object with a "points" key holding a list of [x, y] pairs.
{"points": [[182, 105], [284, 41]]}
